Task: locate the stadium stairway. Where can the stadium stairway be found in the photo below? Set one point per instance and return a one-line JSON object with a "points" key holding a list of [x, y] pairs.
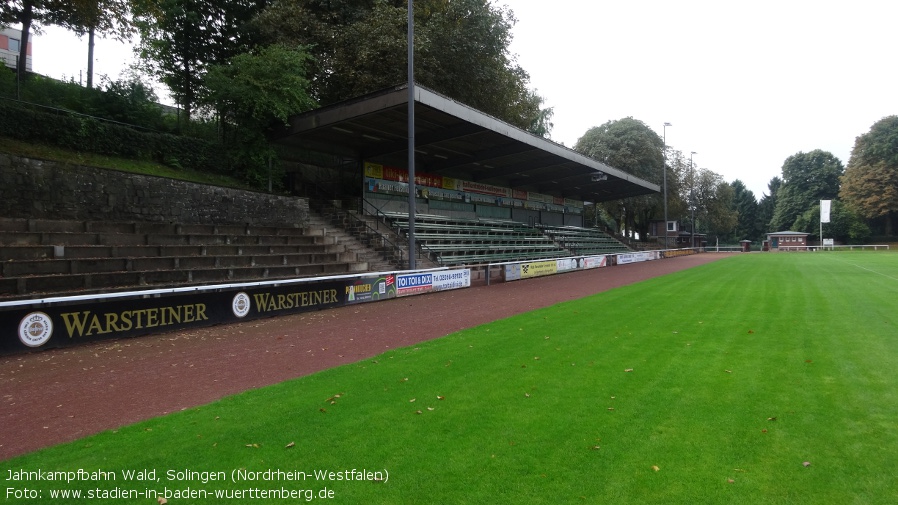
{"points": [[374, 241], [42, 258]]}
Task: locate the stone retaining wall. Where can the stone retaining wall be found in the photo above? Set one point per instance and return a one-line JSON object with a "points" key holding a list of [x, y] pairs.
{"points": [[39, 189]]}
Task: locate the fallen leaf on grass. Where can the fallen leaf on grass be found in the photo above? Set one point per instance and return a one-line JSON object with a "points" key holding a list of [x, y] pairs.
{"points": [[628, 370], [807, 463], [440, 397], [655, 468], [254, 446], [730, 481], [771, 419], [161, 501], [728, 371], [290, 445]]}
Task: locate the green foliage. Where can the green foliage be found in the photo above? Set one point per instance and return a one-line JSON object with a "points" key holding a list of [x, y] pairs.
{"points": [[870, 183], [258, 89], [180, 39], [748, 225], [461, 51], [250, 93], [845, 226], [715, 208], [87, 134], [626, 144], [629, 145], [807, 179]]}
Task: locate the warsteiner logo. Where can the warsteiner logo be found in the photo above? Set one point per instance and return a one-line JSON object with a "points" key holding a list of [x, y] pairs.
{"points": [[35, 329], [240, 305]]}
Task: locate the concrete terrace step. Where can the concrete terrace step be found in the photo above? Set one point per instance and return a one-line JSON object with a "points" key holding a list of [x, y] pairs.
{"points": [[100, 282], [58, 257], [140, 228], [10, 238], [35, 252], [24, 268]]}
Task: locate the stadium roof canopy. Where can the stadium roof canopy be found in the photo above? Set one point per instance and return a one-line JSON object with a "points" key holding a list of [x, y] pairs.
{"points": [[454, 140]]}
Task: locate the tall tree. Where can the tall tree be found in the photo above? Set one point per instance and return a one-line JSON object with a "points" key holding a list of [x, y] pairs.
{"points": [[31, 14], [870, 183], [629, 145], [251, 92], [180, 39], [714, 205], [747, 210], [461, 50], [807, 178], [93, 17], [768, 203]]}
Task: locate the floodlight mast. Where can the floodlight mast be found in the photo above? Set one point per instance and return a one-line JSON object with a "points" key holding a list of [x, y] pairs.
{"points": [[692, 197], [664, 175]]}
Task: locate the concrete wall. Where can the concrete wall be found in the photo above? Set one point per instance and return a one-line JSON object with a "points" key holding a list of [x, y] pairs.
{"points": [[49, 190]]}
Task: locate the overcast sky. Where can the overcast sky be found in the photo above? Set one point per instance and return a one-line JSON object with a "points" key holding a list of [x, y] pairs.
{"points": [[744, 84]]}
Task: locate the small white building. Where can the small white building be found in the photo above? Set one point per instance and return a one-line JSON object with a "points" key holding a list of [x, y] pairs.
{"points": [[10, 43]]}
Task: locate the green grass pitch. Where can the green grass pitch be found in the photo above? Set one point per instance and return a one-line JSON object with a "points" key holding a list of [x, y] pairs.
{"points": [[757, 379]]}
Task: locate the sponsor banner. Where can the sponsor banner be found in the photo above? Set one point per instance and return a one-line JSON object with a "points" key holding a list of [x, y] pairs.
{"points": [[594, 262], [486, 189], [442, 194], [538, 269], [389, 187], [513, 272], [570, 202], [374, 170], [537, 197], [450, 183], [62, 325], [413, 284], [518, 194], [451, 279], [623, 259], [370, 289], [567, 264]]}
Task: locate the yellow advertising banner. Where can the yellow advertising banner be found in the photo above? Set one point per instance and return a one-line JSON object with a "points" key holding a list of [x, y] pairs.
{"points": [[374, 170], [538, 268]]}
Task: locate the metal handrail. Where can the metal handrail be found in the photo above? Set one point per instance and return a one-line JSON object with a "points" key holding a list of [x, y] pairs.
{"points": [[422, 248]]}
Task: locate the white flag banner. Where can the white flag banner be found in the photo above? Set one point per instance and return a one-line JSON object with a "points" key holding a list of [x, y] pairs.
{"points": [[824, 210]]}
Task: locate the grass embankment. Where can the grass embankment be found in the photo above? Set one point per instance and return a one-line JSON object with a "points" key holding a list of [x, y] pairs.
{"points": [[142, 167], [756, 379]]}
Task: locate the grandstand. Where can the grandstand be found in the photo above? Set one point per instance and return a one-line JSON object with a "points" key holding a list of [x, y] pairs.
{"points": [[456, 241]]}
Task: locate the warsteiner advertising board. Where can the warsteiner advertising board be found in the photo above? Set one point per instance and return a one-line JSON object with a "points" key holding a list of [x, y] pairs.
{"points": [[62, 325]]}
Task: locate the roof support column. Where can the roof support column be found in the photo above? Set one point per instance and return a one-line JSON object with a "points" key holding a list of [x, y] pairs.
{"points": [[411, 135]]}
